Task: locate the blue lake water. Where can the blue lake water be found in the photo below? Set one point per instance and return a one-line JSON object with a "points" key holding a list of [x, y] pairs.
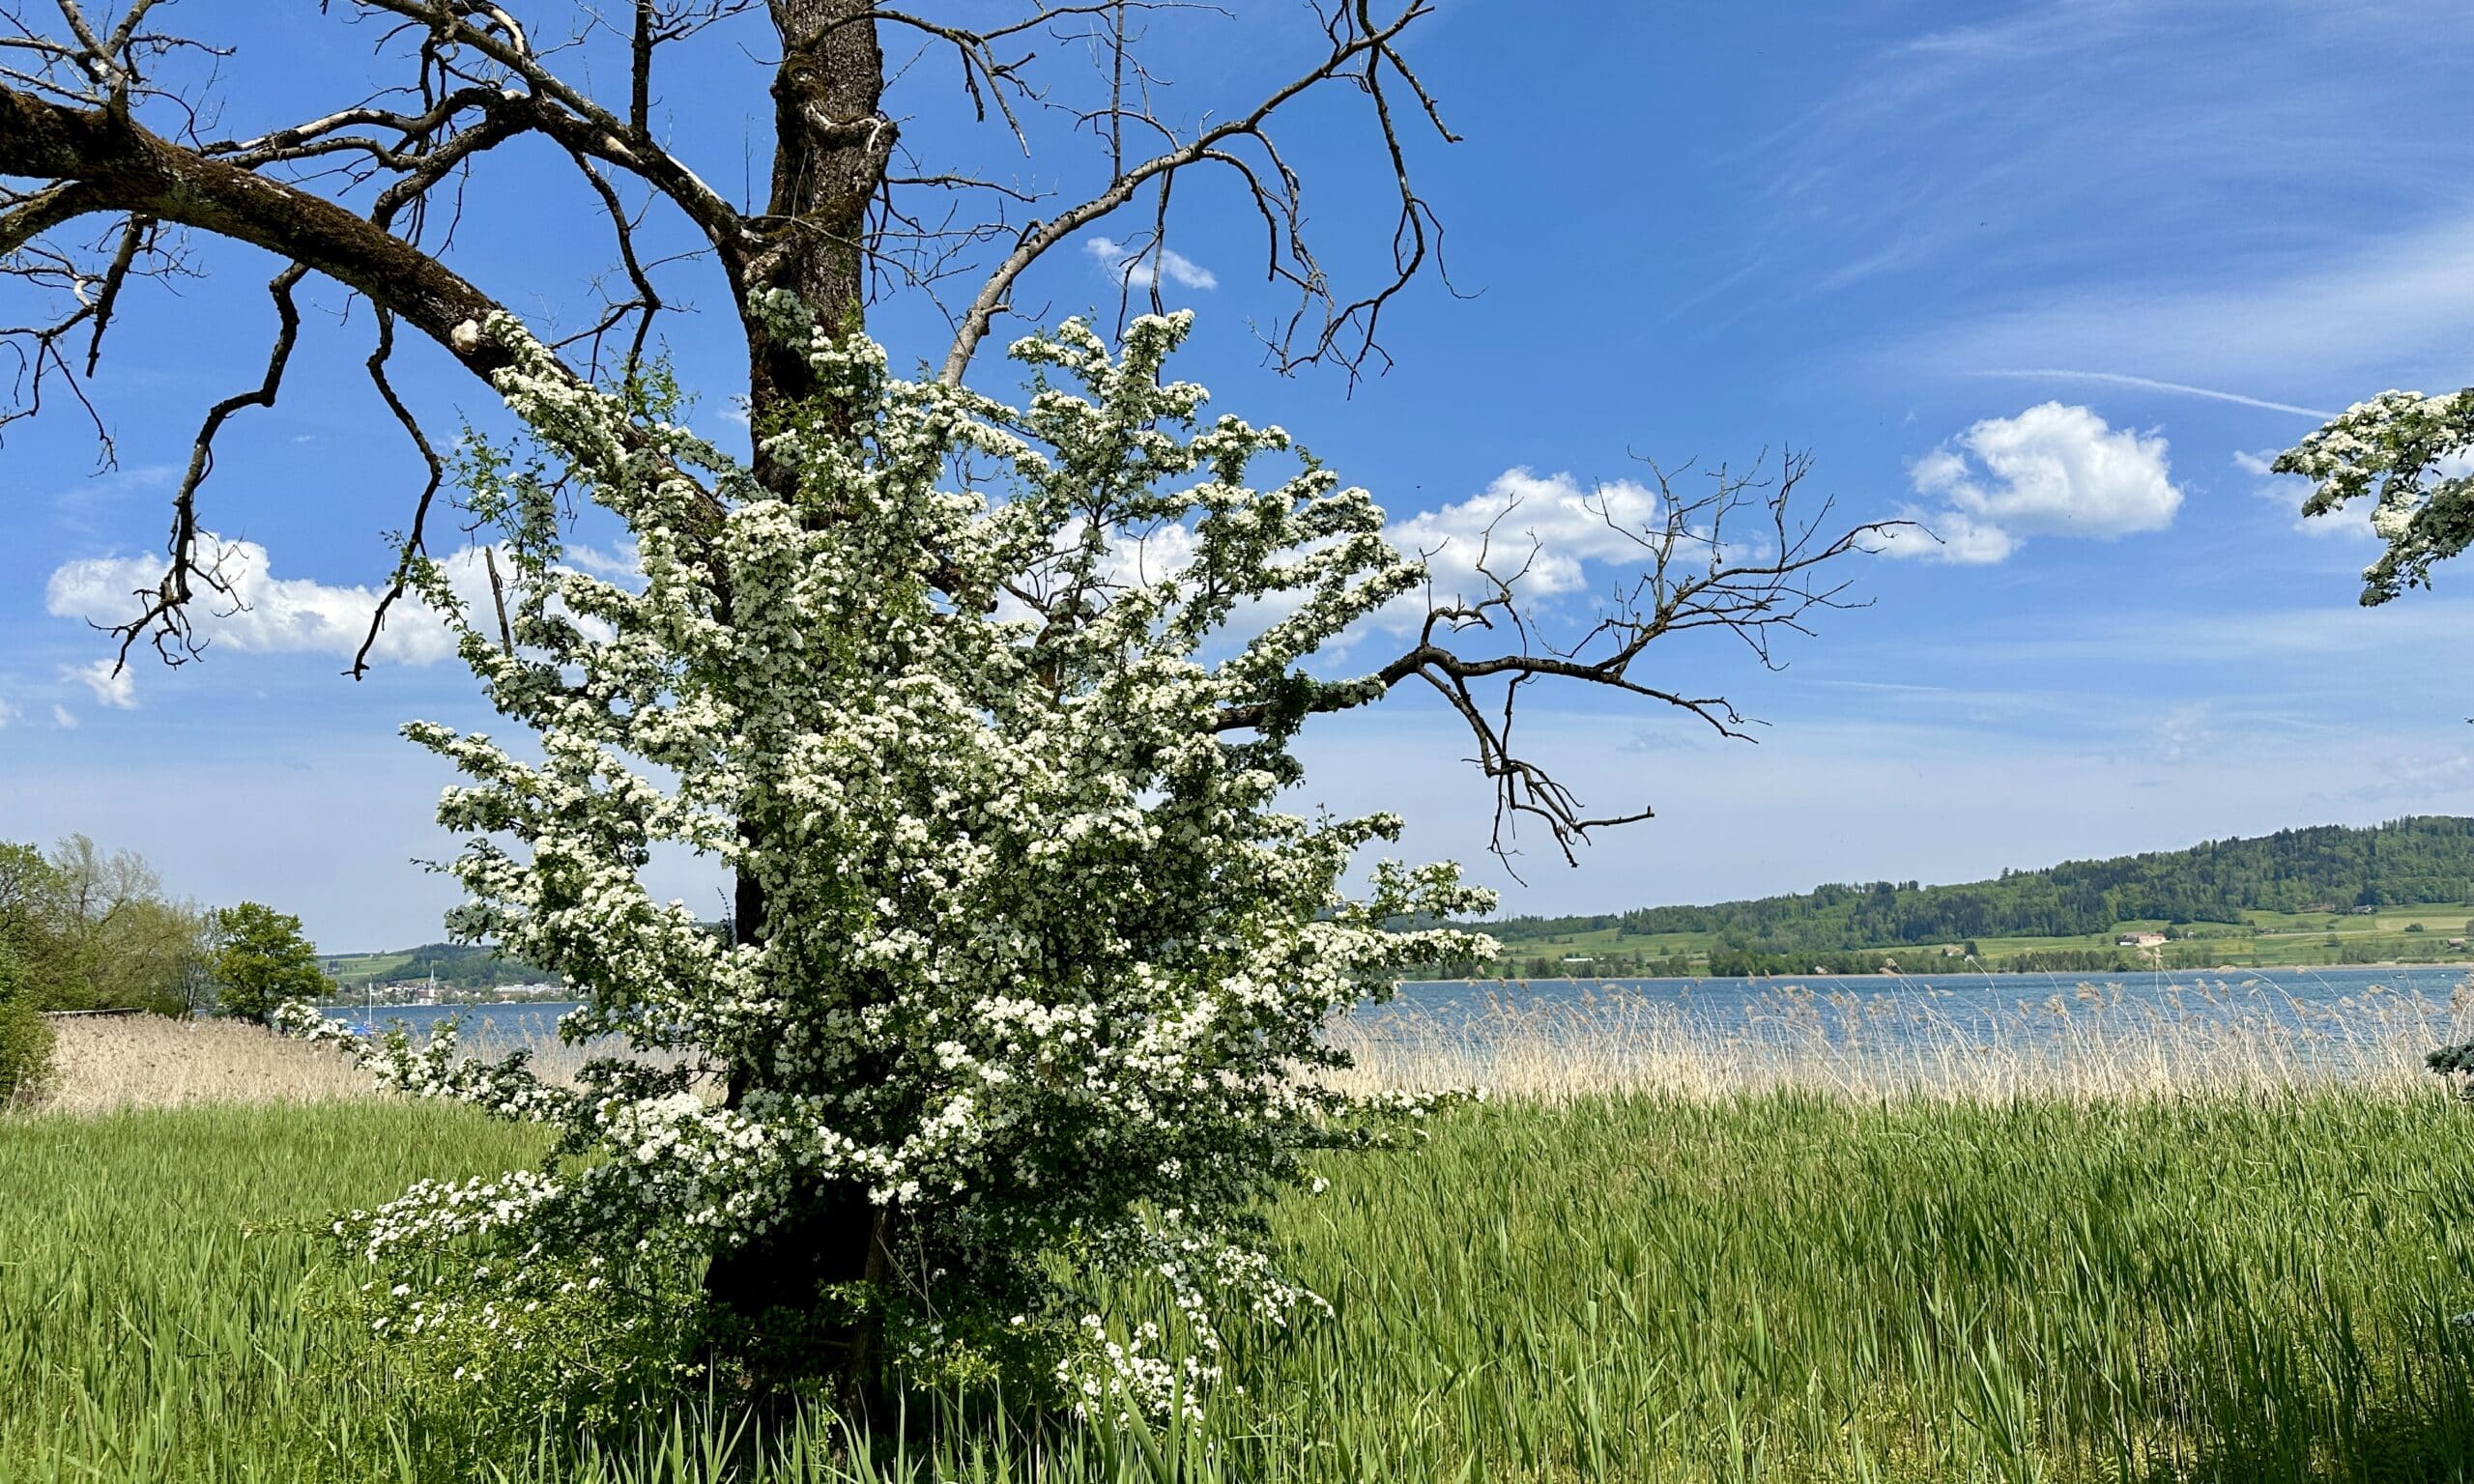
{"points": [[1877, 1005]]}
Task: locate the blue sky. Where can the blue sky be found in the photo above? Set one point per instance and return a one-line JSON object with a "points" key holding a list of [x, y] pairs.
{"points": [[2052, 277]]}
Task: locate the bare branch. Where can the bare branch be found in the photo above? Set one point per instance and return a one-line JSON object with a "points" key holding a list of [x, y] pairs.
{"points": [[1697, 572], [1364, 51], [410, 549], [165, 618]]}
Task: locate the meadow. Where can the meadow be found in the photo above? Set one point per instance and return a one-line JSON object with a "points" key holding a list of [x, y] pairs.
{"points": [[2252, 1279]]}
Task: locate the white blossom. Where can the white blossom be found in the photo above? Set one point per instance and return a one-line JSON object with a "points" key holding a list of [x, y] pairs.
{"points": [[1043, 966]]}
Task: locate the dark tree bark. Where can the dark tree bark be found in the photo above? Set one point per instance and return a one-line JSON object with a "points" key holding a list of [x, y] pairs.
{"points": [[829, 169]]}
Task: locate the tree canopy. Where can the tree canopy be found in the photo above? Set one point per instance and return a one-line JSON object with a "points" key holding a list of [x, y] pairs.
{"points": [[91, 930], [260, 962]]}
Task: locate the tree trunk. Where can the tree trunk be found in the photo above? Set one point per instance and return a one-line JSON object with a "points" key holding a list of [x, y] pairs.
{"points": [[829, 160]]}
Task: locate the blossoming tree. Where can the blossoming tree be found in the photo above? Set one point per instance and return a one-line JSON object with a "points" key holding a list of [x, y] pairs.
{"points": [[2413, 456], [986, 710], [1041, 967]]}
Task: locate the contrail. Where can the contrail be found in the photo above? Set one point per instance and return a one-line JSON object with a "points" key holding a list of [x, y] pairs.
{"points": [[2209, 392]]}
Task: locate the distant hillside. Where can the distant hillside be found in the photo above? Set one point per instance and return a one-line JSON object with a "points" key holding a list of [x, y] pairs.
{"points": [[2335, 869], [456, 965]]}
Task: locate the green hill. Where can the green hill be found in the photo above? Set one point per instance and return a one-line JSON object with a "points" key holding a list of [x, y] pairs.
{"points": [[455, 965], [2327, 894]]}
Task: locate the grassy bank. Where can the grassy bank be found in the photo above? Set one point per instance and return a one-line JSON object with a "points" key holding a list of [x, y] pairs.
{"points": [[1775, 1287]]}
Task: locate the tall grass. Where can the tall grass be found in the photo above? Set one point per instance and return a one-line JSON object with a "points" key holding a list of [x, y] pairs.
{"points": [[2251, 1285]]}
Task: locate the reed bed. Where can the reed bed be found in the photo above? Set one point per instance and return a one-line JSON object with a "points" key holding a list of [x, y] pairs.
{"points": [[107, 1064], [2088, 1042], [104, 1063], [2085, 1042]]}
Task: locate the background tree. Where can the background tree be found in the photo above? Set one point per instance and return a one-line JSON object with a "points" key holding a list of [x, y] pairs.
{"points": [[124, 159], [260, 962], [93, 930]]}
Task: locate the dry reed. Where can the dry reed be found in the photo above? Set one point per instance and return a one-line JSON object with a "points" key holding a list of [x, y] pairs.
{"points": [[104, 1063], [2095, 1042], [110, 1062]]}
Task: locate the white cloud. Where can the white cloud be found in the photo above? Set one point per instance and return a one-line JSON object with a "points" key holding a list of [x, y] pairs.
{"points": [[1540, 534], [9, 712], [2183, 733], [283, 614], [113, 683], [62, 718], [1946, 535], [2051, 470], [1144, 268], [1546, 529]]}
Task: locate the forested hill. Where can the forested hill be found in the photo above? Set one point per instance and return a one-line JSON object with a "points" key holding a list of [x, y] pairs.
{"points": [[2422, 859]]}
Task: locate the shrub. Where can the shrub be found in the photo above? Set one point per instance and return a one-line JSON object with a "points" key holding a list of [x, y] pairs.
{"points": [[558, 1345], [25, 1037]]}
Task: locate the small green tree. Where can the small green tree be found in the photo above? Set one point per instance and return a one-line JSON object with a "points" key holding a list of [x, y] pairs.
{"points": [[262, 962], [25, 1036]]}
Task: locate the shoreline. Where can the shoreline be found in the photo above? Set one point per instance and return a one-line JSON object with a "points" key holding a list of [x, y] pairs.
{"points": [[1974, 972]]}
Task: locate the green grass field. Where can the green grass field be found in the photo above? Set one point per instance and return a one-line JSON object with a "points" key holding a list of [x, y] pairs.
{"points": [[1626, 1289]]}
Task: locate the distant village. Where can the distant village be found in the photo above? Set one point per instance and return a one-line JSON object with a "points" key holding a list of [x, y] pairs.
{"points": [[431, 992]]}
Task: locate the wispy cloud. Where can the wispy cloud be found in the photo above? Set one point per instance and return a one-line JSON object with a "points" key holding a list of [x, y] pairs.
{"points": [[1146, 267], [2149, 383], [2183, 196], [2400, 308], [1701, 296], [2412, 631]]}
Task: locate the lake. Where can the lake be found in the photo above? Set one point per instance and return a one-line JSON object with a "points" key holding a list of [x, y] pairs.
{"points": [[1874, 1007]]}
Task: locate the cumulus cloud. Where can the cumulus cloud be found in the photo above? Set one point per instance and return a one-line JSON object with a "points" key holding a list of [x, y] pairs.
{"points": [[2051, 471], [113, 683], [1133, 266], [1540, 534], [1544, 527], [283, 614]]}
